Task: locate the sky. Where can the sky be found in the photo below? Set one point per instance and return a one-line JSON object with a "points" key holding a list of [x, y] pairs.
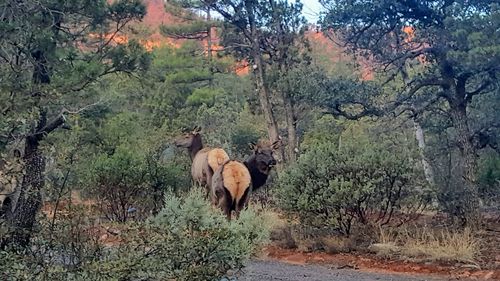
{"points": [[311, 10]]}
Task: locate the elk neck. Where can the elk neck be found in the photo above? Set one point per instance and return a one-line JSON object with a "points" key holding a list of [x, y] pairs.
{"points": [[195, 147], [258, 178]]}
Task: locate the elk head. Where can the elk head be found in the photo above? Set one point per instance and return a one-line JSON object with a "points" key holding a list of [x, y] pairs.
{"points": [[263, 155], [189, 139]]}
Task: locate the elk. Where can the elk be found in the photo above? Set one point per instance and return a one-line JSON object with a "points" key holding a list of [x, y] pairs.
{"points": [[231, 187], [261, 161], [204, 160], [233, 182]]}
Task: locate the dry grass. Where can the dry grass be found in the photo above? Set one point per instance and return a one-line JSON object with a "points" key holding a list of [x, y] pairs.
{"points": [[443, 246], [428, 244], [336, 244]]}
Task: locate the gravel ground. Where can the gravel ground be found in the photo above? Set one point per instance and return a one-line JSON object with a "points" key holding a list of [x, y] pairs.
{"points": [[273, 270]]}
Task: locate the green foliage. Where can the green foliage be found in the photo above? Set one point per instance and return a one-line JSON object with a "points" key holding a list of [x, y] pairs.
{"points": [[206, 246], [489, 178], [324, 130], [337, 95], [229, 124], [188, 240], [127, 169], [119, 180], [203, 96], [358, 179], [59, 55]]}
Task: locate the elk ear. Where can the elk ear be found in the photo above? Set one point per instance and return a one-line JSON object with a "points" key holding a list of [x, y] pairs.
{"points": [[17, 153], [276, 144], [196, 130], [253, 146]]}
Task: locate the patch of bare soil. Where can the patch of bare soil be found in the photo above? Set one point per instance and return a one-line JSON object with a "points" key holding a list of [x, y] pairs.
{"points": [[373, 263], [490, 238]]}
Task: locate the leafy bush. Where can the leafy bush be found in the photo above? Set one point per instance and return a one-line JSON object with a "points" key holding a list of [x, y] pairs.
{"points": [[489, 178], [188, 240], [128, 168], [119, 181], [332, 186], [199, 244]]}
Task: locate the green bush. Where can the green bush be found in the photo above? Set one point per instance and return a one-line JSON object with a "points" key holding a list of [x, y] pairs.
{"points": [[196, 243], [187, 240], [333, 186], [489, 178], [136, 177], [119, 181]]}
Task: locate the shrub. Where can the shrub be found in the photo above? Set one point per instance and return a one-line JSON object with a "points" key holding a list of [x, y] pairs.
{"points": [[198, 243], [187, 240], [119, 181], [489, 178], [332, 187], [134, 177]]}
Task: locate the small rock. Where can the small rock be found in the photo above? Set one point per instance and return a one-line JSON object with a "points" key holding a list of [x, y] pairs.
{"points": [[488, 275], [114, 231], [464, 274], [471, 266], [381, 248]]}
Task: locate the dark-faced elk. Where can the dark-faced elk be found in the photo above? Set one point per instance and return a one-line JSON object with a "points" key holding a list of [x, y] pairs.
{"points": [[233, 182], [261, 162], [204, 160]]}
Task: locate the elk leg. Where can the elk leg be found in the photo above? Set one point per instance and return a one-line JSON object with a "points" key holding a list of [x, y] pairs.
{"points": [[227, 203], [242, 204], [208, 184]]}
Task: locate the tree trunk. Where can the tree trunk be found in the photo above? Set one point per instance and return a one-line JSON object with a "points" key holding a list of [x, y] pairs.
{"points": [[291, 128], [209, 39], [470, 194], [272, 127], [29, 193], [419, 135], [29, 201]]}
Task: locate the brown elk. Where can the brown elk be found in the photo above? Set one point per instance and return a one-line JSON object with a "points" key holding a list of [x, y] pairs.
{"points": [[204, 160], [231, 187], [261, 161]]}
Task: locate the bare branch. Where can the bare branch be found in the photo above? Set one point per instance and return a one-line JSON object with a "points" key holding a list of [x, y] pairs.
{"points": [[421, 84], [59, 120], [479, 90]]}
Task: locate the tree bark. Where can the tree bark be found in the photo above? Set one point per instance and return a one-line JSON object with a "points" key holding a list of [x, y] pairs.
{"points": [[209, 40], [29, 201], [283, 63], [419, 135], [290, 119], [29, 193], [470, 194], [272, 127]]}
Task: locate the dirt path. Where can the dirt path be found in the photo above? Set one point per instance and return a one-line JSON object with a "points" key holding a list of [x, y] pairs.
{"points": [[275, 270]]}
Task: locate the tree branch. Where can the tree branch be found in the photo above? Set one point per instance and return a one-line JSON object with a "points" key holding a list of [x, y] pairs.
{"points": [[479, 90], [421, 84], [59, 120], [367, 111]]}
